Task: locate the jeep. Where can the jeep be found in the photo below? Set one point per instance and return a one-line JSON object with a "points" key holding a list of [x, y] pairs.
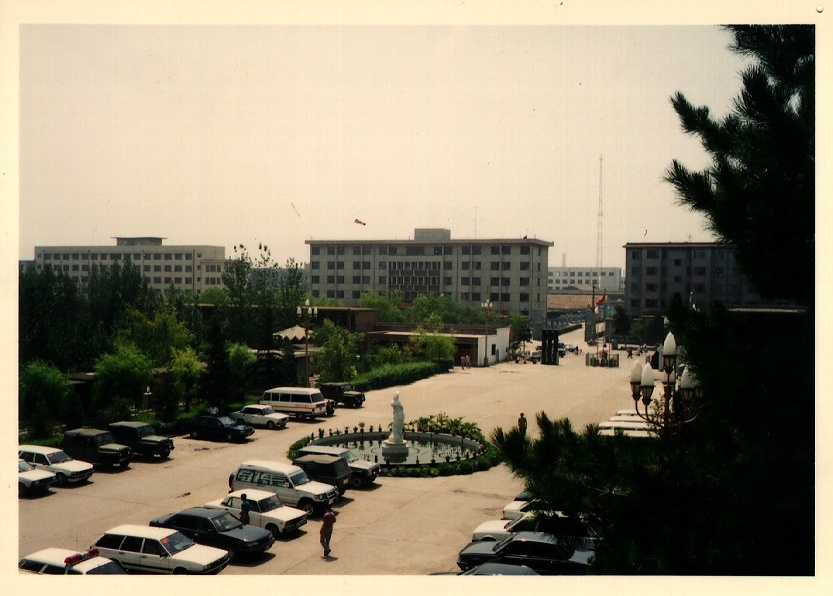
{"points": [[343, 393], [98, 447], [142, 438]]}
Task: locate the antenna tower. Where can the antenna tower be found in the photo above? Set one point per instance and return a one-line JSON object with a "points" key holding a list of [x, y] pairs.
{"points": [[599, 232]]}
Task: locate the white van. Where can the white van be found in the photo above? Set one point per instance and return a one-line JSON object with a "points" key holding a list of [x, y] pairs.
{"points": [[287, 481], [302, 402]]}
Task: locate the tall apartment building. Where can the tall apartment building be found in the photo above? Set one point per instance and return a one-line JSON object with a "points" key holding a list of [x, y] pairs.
{"points": [[604, 278], [700, 272], [511, 273], [191, 268]]}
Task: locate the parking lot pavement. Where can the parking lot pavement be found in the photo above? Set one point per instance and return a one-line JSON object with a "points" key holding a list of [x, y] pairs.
{"points": [[399, 526]]}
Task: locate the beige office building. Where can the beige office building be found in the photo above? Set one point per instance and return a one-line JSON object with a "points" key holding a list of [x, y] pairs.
{"points": [[190, 268], [511, 273]]}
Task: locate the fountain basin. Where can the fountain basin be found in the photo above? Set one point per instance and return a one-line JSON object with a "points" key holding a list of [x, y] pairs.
{"points": [[419, 449]]}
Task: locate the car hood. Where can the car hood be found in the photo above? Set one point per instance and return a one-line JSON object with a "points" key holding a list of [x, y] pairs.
{"points": [[239, 427], [363, 464], [275, 416], [156, 439], [71, 466], [284, 514], [34, 475], [247, 533], [318, 488], [479, 549], [200, 554], [113, 447], [492, 526]]}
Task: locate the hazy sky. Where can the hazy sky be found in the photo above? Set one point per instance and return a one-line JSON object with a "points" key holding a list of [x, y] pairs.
{"points": [[277, 134]]}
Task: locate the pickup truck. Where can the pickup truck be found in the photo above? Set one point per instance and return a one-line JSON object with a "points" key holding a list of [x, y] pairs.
{"points": [[342, 393], [96, 446]]}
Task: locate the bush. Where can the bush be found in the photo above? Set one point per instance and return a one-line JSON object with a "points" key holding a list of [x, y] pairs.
{"points": [[391, 375]]}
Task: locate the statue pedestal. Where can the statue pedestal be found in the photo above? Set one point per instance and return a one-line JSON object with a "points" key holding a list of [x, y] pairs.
{"points": [[394, 447]]}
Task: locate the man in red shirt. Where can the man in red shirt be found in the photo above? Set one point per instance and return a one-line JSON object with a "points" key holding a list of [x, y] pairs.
{"points": [[327, 529]]}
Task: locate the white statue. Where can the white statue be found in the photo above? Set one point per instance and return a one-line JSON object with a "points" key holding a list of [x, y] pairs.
{"points": [[397, 435]]}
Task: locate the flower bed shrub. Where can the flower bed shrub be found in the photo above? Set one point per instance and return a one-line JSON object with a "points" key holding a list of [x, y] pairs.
{"points": [[390, 375]]}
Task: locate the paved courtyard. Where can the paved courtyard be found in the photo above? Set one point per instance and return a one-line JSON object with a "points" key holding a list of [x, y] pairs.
{"points": [[400, 526]]}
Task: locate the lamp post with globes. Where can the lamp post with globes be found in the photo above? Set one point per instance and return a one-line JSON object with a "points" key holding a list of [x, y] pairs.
{"points": [[642, 386], [487, 307], [308, 314]]}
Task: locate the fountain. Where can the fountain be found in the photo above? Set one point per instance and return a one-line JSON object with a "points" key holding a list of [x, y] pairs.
{"points": [[399, 448]]}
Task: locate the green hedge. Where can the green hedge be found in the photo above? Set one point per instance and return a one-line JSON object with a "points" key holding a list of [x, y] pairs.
{"points": [[391, 375]]}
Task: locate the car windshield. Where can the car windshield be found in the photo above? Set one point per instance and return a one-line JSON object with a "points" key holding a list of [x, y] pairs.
{"points": [[109, 568], [317, 397], [225, 421], [500, 545], [225, 522], [58, 457], [349, 456], [145, 431], [267, 410], [270, 503], [22, 466], [176, 542], [298, 478], [347, 387]]}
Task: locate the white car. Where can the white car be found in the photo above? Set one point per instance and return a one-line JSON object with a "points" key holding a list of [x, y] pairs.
{"points": [[268, 511], [61, 561], [52, 459], [159, 550], [260, 415], [30, 480], [516, 509]]}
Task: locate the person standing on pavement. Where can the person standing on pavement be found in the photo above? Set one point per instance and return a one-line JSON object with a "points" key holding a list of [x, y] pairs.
{"points": [[327, 529], [522, 425], [245, 508]]}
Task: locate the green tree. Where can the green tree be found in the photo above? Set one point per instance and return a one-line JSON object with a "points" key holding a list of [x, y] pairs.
{"points": [[157, 338], [214, 384], [387, 305], [763, 162], [121, 380], [43, 398], [337, 358], [186, 371], [621, 321], [241, 363], [432, 345]]}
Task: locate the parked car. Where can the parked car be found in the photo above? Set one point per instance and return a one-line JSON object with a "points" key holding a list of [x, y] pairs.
{"points": [[329, 469], [500, 569], [535, 357], [260, 415], [569, 529], [61, 561], [541, 552], [268, 511], [66, 469], [287, 481], [343, 393], [30, 480], [364, 472], [141, 437], [159, 550], [220, 428], [301, 402], [516, 509], [99, 447], [218, 528], [562, 349]]}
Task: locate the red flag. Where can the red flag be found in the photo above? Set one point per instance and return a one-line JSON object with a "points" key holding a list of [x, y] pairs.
{"points": [[603, 299]]}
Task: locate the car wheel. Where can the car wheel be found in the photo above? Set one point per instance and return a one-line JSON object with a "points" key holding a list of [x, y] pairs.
{"points": [[164, 453], [180, 571], [62, 479], [274, 529], [193, 434], [307, 507], [270, 425], [356, 482]]}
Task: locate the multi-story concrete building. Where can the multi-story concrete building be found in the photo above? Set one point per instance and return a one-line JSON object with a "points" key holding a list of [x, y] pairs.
{"points": [[191, 268], [604, 278], [700, 272], [511, 273]]}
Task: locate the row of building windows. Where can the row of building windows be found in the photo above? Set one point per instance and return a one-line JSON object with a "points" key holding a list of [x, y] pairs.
{"points": [[423, 265], [421, 280], [145, 268], [581, 273], [697, 254], [94, 256], [420, 249], [495, 297]]}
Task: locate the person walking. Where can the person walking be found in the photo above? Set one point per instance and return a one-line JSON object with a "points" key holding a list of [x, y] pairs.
{"points": [[327, 529], [245, 508], [522, 425]]}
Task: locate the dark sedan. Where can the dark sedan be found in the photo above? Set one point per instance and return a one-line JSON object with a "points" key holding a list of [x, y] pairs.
{"points": [[219, 428], [543, 553], [218, 528]]}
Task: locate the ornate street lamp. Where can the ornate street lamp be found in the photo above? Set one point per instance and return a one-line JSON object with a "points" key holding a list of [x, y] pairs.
{"points": [[487, 307], [308, 315], [642, 386]]}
